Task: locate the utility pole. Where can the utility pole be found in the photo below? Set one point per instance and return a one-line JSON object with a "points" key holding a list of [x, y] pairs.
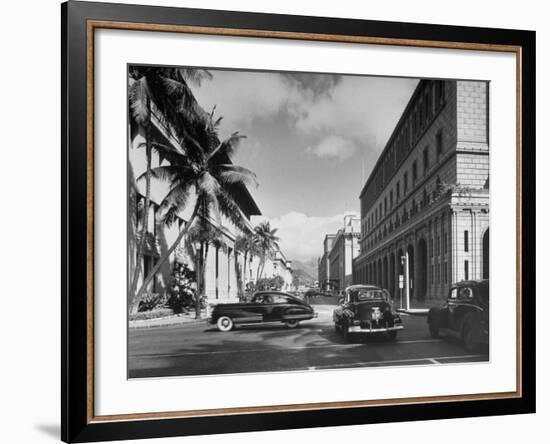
{"points": [[405, 263]]}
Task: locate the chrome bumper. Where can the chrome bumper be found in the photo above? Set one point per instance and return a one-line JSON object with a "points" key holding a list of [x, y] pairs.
{"points": [[358, 329]]}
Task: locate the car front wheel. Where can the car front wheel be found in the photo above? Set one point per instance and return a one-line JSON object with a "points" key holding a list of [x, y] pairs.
{"points": [[345, 332], [293, 323], [468, 336], [434, 330], [225, 323]]}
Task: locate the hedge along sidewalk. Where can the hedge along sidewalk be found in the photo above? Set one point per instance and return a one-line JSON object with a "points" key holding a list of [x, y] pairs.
{"points": [[173, 319]]}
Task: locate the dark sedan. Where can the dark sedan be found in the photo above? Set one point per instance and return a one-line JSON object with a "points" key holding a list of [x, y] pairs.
{"points": [[366, 309], [268, 306], [465, 314]]}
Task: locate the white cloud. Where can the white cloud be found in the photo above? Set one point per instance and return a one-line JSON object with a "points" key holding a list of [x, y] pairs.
{"points": [[333, 146], [301, 236], [355, 111], [243, 97]]}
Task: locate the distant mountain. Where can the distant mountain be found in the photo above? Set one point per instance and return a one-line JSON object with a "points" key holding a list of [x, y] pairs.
{"points": [[308, 267], [302, 277]]}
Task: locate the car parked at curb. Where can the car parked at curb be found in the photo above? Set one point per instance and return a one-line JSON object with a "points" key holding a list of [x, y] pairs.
{"points": [[264, 307], [464, 314], [366, 309]]}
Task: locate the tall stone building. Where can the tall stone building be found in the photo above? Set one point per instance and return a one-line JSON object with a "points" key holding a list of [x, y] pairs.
{"points": [[426, 202], [336, 265]]}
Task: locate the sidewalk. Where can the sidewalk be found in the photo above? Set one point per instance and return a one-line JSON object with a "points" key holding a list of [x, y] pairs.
{"points": [[176, 319]]}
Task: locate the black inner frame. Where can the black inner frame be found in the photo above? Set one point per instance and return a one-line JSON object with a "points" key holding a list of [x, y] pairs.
{"points": [[74, 424]]}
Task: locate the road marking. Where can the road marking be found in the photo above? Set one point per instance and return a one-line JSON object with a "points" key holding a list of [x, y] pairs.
{"points": [[257, 350], [434, 361], [397, 361]]}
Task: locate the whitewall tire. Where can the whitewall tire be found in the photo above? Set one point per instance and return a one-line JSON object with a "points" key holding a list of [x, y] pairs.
{"points": [[225, 323]]}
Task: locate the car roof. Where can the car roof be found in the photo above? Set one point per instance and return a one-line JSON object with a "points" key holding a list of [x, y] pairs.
{"points": [[479, 283], [362, 286], [282, 293]]}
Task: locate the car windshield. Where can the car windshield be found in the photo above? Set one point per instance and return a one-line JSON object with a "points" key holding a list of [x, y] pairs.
{"points": [[367, 294]]}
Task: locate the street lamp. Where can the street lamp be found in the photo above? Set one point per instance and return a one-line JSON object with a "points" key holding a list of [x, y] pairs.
{"points": [[405, 264]]}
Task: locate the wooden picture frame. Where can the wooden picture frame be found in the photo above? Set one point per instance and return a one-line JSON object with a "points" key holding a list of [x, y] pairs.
{"points": [[79, 22]]}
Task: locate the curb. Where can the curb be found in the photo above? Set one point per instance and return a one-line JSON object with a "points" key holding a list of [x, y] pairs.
{"points": [[414, 312], [170, 321]]}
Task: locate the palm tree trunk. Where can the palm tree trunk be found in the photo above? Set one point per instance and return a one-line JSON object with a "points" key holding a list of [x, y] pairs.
{"points": [[204, 256], [145, 218], [238, 275], [163, 259]]}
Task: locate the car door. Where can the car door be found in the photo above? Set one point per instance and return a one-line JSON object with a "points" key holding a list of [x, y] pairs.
{"points": [[275, 308], [270, 308], [462, 306]]}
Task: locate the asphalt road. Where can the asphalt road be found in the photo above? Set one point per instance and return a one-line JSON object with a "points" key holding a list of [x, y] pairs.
{"points": [[200, 349]]}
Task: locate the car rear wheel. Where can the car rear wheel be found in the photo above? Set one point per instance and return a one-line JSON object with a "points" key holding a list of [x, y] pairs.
{"points": [[225, 323], [293, 323]]}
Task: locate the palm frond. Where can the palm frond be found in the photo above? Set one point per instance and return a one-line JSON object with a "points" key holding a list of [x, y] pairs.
{"points": [[166, 173], [231, 174], [139, 96], [174, 203], [229, 208], [195, 75], [208, 185], [228, 146]]}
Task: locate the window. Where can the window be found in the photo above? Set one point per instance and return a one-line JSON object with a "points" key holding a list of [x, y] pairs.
{"points": [[431, 248], [397, 191], [439, 143], [380, 210], [405, 183], [466, 269], [391, 199], [426, 160], [445, 272], [432, 274], [445, 243], [414, 172], [438, 246], [385, 205], [466, 240]]}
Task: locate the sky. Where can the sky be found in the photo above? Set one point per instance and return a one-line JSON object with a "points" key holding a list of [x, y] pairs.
{"points": [[312, 140]]}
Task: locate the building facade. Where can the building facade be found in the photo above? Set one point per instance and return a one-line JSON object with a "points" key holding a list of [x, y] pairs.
{"points": [[323, 266], [425, 206], [222, 263], [336, 265]]}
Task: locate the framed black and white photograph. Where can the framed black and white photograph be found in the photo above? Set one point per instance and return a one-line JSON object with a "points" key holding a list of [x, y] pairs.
{"points": [[283, 221]]}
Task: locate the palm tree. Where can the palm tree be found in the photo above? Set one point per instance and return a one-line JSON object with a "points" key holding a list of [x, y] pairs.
{"points": [[245, 244], [167, 90], [204, 234], [266, 242], [210, 178]]}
